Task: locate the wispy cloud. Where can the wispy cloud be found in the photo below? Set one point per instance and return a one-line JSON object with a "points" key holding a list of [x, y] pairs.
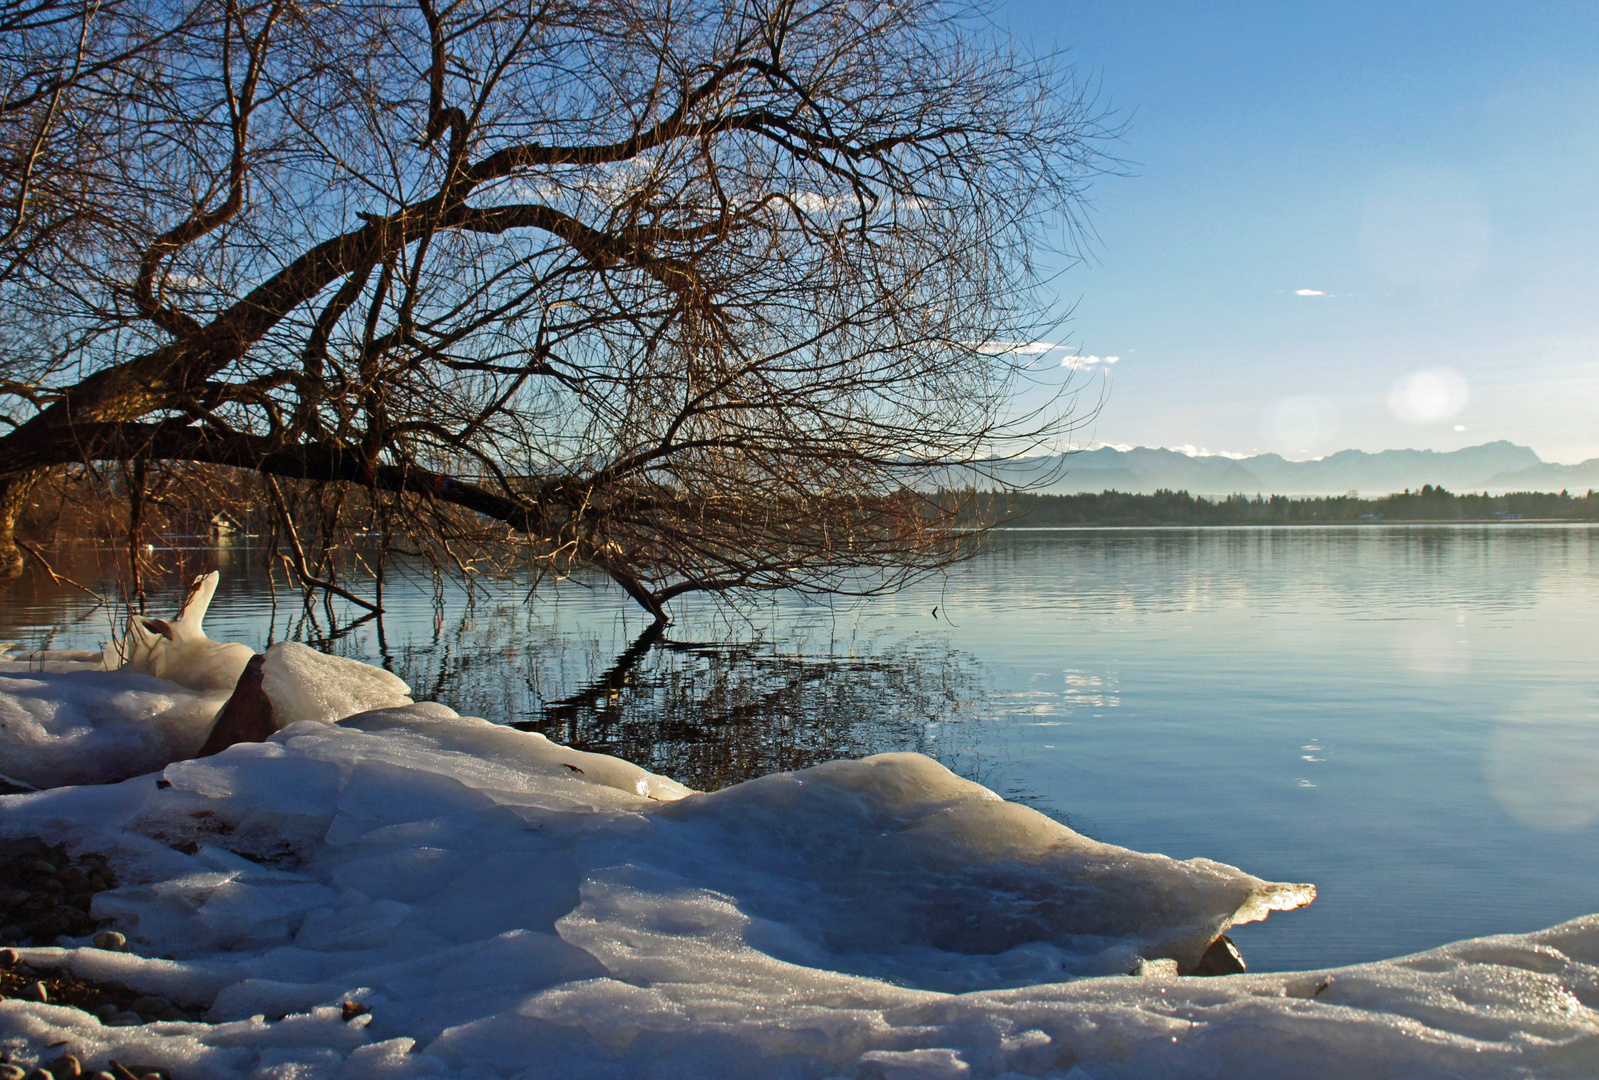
{"points": [[1190, 450], [1187, 449], [1082, 363], [1311, 292], [1024, 348]]}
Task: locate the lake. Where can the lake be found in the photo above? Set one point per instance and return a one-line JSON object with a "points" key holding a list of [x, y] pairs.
{"points": [[1406, 716]]}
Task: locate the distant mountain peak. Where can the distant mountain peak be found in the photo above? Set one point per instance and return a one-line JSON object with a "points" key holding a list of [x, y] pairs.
{"points": [[1500, 465]]}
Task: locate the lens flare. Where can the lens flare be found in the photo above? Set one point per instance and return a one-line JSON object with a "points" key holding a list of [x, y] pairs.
{"points": [[1430, 396]]}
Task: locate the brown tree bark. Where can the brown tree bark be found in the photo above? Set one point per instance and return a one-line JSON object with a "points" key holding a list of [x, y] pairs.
{"points": [[14, 492]]}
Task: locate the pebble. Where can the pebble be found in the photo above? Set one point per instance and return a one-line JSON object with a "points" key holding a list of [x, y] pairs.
{"points": [[42, 866], [106, 1010], [12, 1072], [110, 941], [150, 1005], [66, 1067], [8, 957], [35, 991], [123, 1019]]}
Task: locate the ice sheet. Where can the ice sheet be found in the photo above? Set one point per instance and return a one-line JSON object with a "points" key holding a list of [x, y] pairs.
{"points": [[506, 906]]}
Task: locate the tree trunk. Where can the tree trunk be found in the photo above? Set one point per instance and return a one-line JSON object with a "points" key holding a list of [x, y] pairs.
{"points": [[14, 492]]}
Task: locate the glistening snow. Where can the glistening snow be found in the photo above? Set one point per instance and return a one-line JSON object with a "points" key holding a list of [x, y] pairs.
{"points": [[509, 907]]}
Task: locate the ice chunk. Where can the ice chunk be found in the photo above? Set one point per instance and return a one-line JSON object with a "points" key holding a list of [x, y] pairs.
{"points": [[909, 856], [179, 650], [81, 726], [499, 748], [303, 684]]}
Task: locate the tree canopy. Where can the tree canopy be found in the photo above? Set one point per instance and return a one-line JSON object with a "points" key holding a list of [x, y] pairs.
{"points": [[701, 293]]}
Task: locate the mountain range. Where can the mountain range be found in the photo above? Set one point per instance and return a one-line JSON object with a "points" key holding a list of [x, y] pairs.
{"points": [[1494, 467]]}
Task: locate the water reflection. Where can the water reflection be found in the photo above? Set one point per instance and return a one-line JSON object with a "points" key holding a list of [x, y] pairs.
{"points": [[707, 713]]}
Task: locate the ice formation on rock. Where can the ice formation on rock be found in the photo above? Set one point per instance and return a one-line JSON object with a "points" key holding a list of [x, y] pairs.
{"points": [[179, 650], [303, 684], [506, 906]]}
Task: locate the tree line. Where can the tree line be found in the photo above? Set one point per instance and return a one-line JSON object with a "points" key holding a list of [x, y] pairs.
{"points": [[1166, 507]]}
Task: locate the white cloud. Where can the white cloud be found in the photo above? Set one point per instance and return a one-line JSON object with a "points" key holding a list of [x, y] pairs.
{"points": [[1190, 450], [1430, 396], [1310, 292], [814, 202], [1023, 348], [1460, 427], [1081, 363]]}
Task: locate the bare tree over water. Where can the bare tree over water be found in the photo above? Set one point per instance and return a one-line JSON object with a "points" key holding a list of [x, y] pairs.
{"points": [[701, 294]]}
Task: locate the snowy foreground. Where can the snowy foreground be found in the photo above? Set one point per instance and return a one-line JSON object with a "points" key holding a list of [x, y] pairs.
{"points": [[505, 906]]}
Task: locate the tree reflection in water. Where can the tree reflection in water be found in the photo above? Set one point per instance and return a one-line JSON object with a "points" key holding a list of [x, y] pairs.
{"points": [[700, 702], [709, 714]]}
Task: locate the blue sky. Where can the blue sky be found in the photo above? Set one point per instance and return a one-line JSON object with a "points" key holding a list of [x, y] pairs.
{"points": [[1433, 169]]}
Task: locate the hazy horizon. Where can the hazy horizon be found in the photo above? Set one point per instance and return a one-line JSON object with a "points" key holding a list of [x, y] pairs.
{"points": [[1189, 450]]}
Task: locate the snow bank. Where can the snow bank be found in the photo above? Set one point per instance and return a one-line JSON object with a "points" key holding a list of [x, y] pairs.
{"points": [[506, 906], [73, 716]]}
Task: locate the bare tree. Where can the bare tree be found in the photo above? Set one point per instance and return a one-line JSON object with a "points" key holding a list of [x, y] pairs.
{"points": [[703, 294]]}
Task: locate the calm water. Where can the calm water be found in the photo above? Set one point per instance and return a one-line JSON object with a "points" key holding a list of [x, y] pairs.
{"points": [[1408, 717]]}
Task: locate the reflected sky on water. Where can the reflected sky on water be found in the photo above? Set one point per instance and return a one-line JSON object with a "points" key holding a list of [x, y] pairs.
{"points": [[1408, 717]]}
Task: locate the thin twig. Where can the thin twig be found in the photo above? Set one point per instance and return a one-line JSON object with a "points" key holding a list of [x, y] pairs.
{"points": [[59, 579]]}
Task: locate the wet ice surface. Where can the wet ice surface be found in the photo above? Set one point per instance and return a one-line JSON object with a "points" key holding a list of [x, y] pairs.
{"points": [[507, 906]]}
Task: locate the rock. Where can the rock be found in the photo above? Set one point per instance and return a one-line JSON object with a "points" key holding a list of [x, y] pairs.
{"points": [[43, 866], [9, 957], [110, 941], [150, 1005], [12, 1072], [65, 1067], [247, 716], [35, 991], [1222, 958], [106, 1010], [123, 1019]]}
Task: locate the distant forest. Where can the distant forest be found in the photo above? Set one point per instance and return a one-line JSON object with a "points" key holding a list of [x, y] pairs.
{"points": [[1030, 510]]}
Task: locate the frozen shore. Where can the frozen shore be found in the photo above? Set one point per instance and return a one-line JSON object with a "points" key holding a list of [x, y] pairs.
{"points": [[505, 906]]}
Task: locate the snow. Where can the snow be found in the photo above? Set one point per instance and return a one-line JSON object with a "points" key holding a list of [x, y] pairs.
{"points": [[303, 684], [507, 906], [82, 717]]}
